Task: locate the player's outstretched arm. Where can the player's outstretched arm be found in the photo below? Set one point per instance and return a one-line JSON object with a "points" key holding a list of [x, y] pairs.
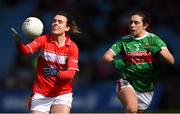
{"points": [[20, 46]]}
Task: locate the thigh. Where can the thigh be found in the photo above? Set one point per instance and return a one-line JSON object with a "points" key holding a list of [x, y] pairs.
{"points": [[60, 108], [62, 104], [40, 104], [127, 95], [37, 112]]}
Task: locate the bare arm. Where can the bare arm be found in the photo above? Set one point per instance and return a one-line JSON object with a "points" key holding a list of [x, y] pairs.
{"points": [[167, 56], [108, 57]]}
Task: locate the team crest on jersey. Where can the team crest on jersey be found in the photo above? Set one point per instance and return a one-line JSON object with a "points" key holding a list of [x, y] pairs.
{"points": [[147, 45]]}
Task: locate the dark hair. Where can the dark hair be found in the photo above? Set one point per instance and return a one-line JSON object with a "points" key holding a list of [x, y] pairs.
{"points": [[70, 23], [144, 15]]}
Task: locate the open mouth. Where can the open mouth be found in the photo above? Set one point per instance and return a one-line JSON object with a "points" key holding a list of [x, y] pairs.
{"points": [[133, 30], [55, 28]]}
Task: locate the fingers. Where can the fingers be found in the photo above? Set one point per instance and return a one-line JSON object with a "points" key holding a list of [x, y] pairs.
{"points": [[13, 30], [15, 34]]}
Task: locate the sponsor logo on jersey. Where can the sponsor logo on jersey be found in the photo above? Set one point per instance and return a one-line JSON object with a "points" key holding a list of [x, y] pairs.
{"points": [[138, 57]]}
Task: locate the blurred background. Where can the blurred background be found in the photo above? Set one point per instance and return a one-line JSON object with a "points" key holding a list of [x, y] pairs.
{"points": [[102, 22]]}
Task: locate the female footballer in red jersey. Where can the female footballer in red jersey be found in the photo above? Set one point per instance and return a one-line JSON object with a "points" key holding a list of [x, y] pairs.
{"points": [[57, 65]]}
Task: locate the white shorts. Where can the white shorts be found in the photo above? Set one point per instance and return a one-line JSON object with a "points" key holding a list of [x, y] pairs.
{"points": [[43, 104], [144, 99]]}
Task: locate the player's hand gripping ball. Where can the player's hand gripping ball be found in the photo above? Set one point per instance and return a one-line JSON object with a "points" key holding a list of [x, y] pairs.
{"points": [[32, 27]]}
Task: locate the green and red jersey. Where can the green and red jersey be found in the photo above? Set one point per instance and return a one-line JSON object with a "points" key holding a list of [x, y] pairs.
{"points": [[139, 69]]}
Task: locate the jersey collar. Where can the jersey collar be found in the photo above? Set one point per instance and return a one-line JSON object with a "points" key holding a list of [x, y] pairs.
{"points": [[139, 38], [67, 42]]}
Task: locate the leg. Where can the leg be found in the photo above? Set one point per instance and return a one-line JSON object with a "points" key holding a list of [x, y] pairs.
{"points": [[37, 112], [128, 98], [40, 104], [62, 104], [60, 109]]}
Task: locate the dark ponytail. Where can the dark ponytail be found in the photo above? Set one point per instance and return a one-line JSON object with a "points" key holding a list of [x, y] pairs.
{"points": [[74, 29]]}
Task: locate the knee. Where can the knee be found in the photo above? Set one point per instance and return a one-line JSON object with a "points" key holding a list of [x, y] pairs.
{"points": [[131, 109]]}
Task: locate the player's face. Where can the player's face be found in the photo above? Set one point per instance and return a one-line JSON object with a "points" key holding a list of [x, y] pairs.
{"points": [[137, 27], [59, 25]]}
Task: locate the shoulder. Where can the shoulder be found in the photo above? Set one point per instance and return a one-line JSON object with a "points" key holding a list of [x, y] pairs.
{"points": [[69, 42], [44, 37], [152, 35], [73, 45], [156, 39], [73, 48], [126, 37]]}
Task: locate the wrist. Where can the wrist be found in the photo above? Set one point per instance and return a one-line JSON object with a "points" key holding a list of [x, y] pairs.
{"points": [[17, 41]]}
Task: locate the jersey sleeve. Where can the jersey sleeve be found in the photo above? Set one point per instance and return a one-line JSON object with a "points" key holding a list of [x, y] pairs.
{"points": [[36, 44], [31, 47], [116, 47], [72, 63], [157, 41]]}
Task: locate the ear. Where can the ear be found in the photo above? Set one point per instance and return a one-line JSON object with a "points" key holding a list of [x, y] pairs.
{"points": [[146, 26], [67, 28]]}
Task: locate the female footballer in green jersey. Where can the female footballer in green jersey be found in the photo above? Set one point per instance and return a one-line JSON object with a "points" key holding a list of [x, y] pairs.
{"points": [[138, 73]]}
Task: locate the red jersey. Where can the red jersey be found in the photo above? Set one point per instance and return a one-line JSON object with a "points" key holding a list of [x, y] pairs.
{"points": [[50, 54]]}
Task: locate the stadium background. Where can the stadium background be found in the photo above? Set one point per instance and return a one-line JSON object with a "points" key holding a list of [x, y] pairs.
{"points": [[102, 22]]}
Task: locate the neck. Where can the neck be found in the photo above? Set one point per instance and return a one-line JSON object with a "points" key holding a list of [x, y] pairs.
{"points": [[141, 34], [60, 39]]}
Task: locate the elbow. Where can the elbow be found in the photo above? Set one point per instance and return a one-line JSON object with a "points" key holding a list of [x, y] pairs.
{"points": [[25, 53], [107, 57], [105, 60], [172, 62], [24, 50]]}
